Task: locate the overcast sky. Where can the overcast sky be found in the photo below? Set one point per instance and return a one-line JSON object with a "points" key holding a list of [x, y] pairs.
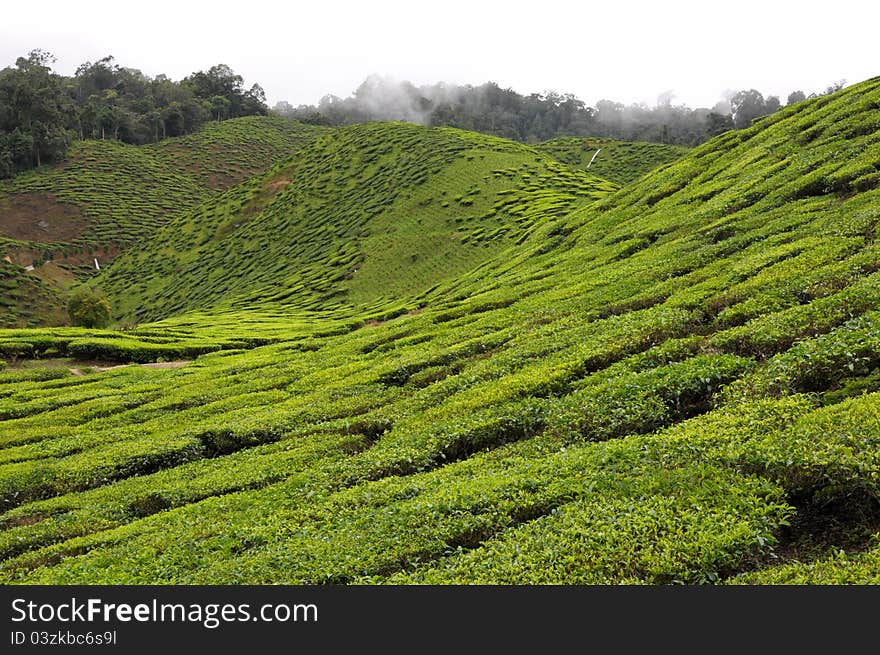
{"points": [[625, 51]]}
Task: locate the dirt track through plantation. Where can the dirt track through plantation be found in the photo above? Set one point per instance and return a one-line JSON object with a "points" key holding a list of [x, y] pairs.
{"points": [[101, 369]]}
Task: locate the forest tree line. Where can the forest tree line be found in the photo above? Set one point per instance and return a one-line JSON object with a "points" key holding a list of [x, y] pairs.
{"points": [[42, 112], [533, 118]]}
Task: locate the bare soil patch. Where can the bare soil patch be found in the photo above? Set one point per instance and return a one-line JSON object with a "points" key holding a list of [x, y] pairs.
{"points": [[221, 181], [41, 218], [176, 364], [79, 367], [52, 273], [100, 367]]}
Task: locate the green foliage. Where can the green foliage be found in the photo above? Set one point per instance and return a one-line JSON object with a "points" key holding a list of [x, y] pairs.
{"points": [[350, 220], [748, 105], [108, 197], [33, 114], [673, 382], [490, 109], [89, 308], [41, 112], [619, 161], [223, 90]]}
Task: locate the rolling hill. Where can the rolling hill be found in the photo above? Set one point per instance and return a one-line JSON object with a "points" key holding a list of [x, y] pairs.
{"points": [[108, 196], [674, 382], [367, 215]]}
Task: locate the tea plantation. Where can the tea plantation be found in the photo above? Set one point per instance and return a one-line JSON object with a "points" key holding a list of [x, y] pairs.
{"points": [[109, 196], [421, 355], [619, 161]]}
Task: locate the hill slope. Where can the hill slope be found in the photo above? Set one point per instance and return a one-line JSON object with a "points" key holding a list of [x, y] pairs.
{"points": [[109, 195], [619, 161], [678, 382], [367, 215]]}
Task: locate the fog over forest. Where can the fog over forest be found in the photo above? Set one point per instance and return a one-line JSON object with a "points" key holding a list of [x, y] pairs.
{"points": [[43, 112], [538, 117]]}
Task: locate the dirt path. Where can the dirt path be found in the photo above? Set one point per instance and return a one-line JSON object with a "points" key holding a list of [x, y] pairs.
{"points": [[101, 369]]}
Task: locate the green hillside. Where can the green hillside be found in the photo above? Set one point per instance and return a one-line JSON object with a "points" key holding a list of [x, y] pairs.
{"points": [[108, 196], [675, 383], [367, 215], [619, 161]]}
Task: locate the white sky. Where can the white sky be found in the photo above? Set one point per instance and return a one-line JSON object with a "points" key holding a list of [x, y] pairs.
{"points": [[624, 51]]}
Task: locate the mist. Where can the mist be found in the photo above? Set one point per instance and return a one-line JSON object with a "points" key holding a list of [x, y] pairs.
{"points": [[536, 117], [381, 98]]}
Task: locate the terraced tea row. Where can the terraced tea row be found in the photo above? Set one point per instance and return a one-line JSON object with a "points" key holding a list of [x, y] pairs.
{"points": [[618, 161], [371, 214], [108, 196], [675, 382]]}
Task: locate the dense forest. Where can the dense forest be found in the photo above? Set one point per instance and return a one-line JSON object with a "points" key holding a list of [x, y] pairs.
{"points": [[42, 112], [490, 109]]}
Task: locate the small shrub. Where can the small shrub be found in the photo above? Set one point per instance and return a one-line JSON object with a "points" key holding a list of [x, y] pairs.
{"points": [[89, 308]]}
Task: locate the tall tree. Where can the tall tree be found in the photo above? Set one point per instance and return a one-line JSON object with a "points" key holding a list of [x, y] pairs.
{"points": [[746, 107], [41, 112], [35, 113], [222, 81], [795, 97]]}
